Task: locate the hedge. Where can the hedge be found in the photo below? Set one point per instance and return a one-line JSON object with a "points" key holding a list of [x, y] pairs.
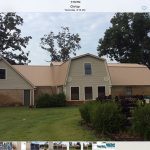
{"points": [[104, 117], [86, 111], [141, 121], [46, 100], [107, 118]]}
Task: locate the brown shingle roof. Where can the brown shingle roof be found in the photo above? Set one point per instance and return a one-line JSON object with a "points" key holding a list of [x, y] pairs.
{"points": [[38, 75], [44, 75], [129, 74], [55, 75], [60, 73]]}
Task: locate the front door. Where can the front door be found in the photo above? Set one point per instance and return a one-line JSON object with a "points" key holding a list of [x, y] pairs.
{"points": [[26, 97]]}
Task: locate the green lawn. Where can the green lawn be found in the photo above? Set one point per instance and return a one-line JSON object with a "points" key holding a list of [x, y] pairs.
{"points": [[43, 124]]}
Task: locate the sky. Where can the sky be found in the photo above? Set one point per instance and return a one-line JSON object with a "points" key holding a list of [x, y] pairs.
{"points": [[90, 27]]}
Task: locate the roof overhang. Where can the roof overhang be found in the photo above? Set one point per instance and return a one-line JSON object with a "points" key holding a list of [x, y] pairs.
{"points": [[1, 58], [88, 54]]}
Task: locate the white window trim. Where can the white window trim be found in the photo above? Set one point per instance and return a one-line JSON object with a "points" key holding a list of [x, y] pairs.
{"points": [[70, 93], [84, 69], [84, 93], [101, 86], [5, 73]]}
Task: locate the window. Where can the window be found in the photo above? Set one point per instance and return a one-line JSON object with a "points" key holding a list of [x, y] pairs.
{"points": [[2, 73], [88, 93], [101, 91], [128, 91], [87, 68], [74, 93]]}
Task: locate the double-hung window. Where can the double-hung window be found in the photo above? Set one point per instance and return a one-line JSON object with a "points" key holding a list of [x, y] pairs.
{"points": [[88, 69], [88, 93], [2, 73]]}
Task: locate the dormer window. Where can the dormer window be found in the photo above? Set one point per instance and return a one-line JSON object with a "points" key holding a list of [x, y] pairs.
{"points": [[2, 73], [88, 69]]}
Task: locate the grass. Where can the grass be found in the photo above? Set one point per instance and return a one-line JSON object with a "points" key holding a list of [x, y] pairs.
{"points": [[61, 124]]}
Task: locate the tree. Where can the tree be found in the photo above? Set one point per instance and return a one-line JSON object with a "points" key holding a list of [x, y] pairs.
{"points": [[61, 45], [11, 42], [128, 39]]}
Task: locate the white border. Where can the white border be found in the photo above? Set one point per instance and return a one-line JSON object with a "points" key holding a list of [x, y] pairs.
{"points": [[70, 93], [88, 75], [88, 5], [101, 86], [5, 74], [84, 93]]}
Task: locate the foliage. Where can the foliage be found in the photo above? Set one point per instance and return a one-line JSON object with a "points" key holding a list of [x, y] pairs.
{"points": [[60, 46], [104, 117], [46, 100], [141, 121], [11, 42], [107, 118], [61, 99], [128, 39], [43, 101], [86, 111]]}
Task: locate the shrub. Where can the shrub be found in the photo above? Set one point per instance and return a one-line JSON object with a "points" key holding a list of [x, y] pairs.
{"points": [[43, 100], [141, 121], [61, 99], [107, 118], [86, 110], [46, 100], [104, 117]]}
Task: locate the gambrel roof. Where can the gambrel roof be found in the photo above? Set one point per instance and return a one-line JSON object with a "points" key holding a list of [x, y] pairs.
{"points": [[56, 73]]}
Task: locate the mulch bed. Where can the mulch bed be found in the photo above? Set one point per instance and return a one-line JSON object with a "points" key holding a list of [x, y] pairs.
{"points": [[123, 136]]}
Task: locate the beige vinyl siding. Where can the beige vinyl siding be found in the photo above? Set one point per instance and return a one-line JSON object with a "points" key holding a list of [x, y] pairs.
{"points": [[13, 79], [77, 77]]}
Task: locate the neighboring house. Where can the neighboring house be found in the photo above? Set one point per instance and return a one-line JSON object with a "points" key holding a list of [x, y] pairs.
{"points": [[81, 78]]}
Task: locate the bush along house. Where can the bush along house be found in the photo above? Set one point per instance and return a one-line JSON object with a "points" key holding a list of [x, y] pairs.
{"points": [[81, 78]]}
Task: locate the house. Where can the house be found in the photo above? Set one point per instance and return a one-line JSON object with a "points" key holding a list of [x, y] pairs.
{"points": [[82, 78], [129, 79]]}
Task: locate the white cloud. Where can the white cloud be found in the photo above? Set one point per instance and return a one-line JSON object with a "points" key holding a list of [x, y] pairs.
{"points": [[90, 26]]}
